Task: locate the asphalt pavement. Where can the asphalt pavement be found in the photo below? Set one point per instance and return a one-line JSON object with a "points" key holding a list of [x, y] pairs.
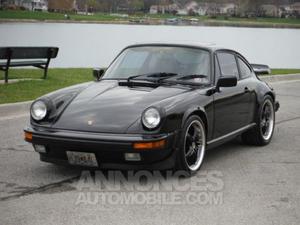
{"points": [[258, 185]]}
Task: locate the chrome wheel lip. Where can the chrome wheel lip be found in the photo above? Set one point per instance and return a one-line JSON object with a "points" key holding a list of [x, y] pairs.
{"points": [[267, 123], [200, 151]]}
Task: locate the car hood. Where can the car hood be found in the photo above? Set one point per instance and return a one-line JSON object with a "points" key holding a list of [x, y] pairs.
{"points": [[107, 107]]}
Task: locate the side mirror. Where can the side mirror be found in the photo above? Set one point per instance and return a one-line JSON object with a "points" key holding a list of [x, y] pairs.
{"points": [[226, 82], [261, 69], [98, 73]]}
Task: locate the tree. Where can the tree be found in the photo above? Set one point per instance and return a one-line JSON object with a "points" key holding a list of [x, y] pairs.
{"points": [[148, 4], [277, 4], [135, 5], [91, 5]]}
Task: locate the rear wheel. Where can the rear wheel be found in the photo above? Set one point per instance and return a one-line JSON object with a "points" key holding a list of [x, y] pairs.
{"points": [[192, 145], [262, 133]]}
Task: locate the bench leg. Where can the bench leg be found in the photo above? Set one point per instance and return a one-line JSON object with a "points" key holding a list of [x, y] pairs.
{"points": [[45, 73], [6, 76]]}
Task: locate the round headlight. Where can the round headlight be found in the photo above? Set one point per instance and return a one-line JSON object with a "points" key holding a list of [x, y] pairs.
{"points": [[151, 118], [38, 110]]}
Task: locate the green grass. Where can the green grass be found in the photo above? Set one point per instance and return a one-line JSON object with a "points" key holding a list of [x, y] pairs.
{"points": [[10, 14], [284, 71], [31, 89], [220, 20], [260, 20], [57, 78]]}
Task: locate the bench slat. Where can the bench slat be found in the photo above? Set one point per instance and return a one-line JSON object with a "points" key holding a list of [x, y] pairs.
{"points": [[28, 52], [24, 63]]}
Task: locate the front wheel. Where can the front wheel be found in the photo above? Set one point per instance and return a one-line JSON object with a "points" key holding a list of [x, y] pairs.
{"points": [[263, 132], [192, 145]]}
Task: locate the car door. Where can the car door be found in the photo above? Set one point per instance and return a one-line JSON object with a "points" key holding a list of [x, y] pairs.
{"points": [[231, 104], [246, 82]]}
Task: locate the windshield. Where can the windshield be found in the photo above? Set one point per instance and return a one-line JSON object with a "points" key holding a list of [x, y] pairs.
{"points": [[182, 61]]}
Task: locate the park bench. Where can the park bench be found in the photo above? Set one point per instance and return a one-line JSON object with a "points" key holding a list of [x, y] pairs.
{"points": [[26, 56]]}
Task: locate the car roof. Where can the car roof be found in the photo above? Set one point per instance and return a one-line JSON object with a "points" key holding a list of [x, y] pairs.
{"points": [[208, 46]]}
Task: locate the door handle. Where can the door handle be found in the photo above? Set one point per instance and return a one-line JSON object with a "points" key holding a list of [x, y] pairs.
{"points": [[246, 90]]}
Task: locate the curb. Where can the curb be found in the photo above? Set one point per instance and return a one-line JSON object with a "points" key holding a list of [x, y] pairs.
{"points": [[21, 107], [11, 81], [13, 109], [277, 78]]}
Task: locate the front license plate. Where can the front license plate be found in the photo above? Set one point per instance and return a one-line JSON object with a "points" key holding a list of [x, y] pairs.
{"points": [[82, 159]]}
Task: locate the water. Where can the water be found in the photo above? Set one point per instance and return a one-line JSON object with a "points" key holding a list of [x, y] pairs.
{"points": [[95, 45]]}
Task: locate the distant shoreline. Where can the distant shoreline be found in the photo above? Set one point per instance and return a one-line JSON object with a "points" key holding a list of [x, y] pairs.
{"points": [[152, 22]]}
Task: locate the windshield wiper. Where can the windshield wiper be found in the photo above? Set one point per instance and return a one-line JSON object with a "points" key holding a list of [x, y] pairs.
{"points": [[192, 76], [159, 76]]}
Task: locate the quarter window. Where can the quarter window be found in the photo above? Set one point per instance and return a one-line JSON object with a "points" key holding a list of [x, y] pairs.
{"points": [[228, 64], [244, 69], [217, 69]]}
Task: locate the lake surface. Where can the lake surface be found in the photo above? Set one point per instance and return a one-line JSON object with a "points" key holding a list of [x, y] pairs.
{"points": [[95, 45]]}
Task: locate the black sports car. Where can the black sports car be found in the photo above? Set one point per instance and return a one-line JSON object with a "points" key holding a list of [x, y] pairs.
{"points": [[157, 106]]}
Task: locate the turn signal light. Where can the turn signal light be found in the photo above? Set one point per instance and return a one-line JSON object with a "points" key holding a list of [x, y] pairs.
{"points": [[149, 145], [28, 136]]}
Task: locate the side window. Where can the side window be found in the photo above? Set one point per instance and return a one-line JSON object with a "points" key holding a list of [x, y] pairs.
{"points": [[244, 69], [228, 64]]}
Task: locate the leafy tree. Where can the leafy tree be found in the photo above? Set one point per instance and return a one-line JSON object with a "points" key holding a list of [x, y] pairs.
{"points": [[91, 4], [134, 5]]}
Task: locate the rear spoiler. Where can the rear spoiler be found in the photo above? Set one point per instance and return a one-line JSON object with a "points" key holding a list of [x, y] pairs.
{"points": [[260, 69]]}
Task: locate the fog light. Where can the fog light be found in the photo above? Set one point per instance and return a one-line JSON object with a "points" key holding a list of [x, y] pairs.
{"points": [[132, 157], [40, 148]]}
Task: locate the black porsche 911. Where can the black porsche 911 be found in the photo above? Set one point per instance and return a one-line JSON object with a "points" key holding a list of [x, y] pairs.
{"points": [[157, 106]]}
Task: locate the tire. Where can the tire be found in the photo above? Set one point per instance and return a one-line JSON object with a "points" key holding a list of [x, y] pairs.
{"points": [[193, 135], [262, 133]]}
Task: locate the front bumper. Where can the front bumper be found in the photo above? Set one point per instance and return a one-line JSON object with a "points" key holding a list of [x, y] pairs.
{"points": [[109, 149]]}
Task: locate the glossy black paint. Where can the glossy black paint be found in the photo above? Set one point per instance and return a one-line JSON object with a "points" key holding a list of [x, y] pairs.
{"points": [[105, 117], [98, 73]]}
